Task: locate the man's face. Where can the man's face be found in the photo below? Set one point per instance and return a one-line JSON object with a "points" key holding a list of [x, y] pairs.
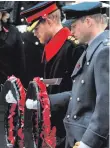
{"points": [[42, 32], [80, 30]]}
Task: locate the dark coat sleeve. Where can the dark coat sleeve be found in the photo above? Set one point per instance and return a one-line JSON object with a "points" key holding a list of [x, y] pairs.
{"points": [[19, 57], [59, 100], [98, 128]]}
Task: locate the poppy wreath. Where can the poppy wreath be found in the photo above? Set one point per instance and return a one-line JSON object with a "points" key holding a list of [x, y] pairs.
{"points": [[14, 112], [21, 105], [38, 124], [31, 127]]}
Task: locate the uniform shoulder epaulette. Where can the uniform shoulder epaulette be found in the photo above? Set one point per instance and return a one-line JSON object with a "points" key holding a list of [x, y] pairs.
{"points": [[106, 42], [71, 38]]}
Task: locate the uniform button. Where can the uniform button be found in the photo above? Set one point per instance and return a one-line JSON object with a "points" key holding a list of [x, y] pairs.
{"points": [[82, 81], [36, 43], [70, 98], [74, 81], [68, 116], [22, 8], [22, 20], [75, 116], [87, 63], [78, 99]]}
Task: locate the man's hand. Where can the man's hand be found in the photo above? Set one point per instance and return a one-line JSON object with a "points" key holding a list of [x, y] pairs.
{"points": [[76, 145], [80, 145]]}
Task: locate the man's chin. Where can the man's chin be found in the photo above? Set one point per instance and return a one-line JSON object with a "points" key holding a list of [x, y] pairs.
{"points": [[80, 40], [42, 42]]}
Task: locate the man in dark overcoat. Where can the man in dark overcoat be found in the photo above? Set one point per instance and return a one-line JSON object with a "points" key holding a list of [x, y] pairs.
{"points": [[33, 49], [61, 51], [12, 60]]}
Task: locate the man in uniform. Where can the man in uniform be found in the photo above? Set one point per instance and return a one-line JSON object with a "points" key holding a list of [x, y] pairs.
{"points": [[58, 43], [87, 116], [61, 51]]}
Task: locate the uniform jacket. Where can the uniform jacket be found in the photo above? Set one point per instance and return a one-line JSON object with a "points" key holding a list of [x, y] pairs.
{"points": [[87, 117], [62, 63]]}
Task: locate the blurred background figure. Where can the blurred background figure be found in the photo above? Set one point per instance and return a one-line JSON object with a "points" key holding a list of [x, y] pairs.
{"points": [[31, 45], [12, 58], [20, 51]]}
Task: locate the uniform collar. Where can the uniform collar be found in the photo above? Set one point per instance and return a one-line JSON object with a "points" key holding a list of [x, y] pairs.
{"points": [[94, 38], [55, 44], [95, 44]]}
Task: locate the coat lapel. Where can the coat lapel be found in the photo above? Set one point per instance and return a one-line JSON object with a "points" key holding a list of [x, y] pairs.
{"points": [[79, 64]]}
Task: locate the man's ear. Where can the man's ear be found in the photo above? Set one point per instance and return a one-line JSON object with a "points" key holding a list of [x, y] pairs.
{"points": [[89, 21], [49, 21]]}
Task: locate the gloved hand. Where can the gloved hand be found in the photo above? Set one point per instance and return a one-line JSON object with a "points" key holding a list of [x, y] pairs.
{"points": [[30, 104], [10, 98]]}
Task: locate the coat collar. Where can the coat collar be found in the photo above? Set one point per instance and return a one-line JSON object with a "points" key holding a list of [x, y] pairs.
{"points": [[55, 44], [95, 44], [86, 56]]}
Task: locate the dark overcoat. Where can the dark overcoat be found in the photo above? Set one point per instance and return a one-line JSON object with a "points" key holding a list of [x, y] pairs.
{"points": [[12, 62], [12, 59]]}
